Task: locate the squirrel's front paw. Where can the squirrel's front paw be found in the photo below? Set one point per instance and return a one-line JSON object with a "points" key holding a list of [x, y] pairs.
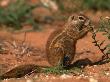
{"points": [[90, 28]]}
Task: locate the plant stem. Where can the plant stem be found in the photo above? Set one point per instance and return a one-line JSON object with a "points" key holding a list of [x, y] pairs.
{"points": [[105, 56]]}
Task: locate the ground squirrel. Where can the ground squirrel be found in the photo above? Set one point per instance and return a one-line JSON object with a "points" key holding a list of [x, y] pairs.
{"points": [[60, 47]]}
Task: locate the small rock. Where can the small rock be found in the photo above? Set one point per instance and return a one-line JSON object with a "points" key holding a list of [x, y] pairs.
{"points": [[93, 80], [107, 73], [29, 80], [64, 76], [107, 17], [36, 77]]}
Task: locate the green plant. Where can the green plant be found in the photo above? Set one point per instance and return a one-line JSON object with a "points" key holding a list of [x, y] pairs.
{"points": [[96, 4], [18, 13], [104, 27], [61, 70], [69, 6]]}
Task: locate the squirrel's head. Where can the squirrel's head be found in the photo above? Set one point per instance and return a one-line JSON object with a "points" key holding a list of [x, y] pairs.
{"points": [[79, 19]]}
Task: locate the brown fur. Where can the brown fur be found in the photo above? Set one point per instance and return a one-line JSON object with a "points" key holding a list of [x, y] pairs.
{"points": [[62, 43]]}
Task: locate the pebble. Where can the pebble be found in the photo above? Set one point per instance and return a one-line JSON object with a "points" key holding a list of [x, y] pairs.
{"points": [[93, 80], [64, 76]]}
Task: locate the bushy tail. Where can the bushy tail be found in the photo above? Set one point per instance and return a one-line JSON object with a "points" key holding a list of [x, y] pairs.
{"points": [[21, 71]]}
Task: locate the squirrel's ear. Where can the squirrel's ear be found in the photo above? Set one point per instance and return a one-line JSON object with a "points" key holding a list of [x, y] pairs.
{"points": [[71, 18]]}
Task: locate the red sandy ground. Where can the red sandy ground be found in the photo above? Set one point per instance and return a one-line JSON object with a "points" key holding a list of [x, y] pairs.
{"points": [[85, 49]]}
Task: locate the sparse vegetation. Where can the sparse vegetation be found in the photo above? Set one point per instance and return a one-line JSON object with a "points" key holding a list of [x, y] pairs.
{"points": [[96, 4], [104, 27], [61, 70], [79, 5], [17, 14], [74, 5]]}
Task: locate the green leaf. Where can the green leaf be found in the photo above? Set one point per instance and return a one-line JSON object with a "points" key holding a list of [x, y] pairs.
{"points": [[108, 52], [108, 46], [108, 36]]}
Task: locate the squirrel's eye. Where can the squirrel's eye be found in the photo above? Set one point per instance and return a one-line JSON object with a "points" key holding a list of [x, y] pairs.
{"points": [[81, 18]]}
